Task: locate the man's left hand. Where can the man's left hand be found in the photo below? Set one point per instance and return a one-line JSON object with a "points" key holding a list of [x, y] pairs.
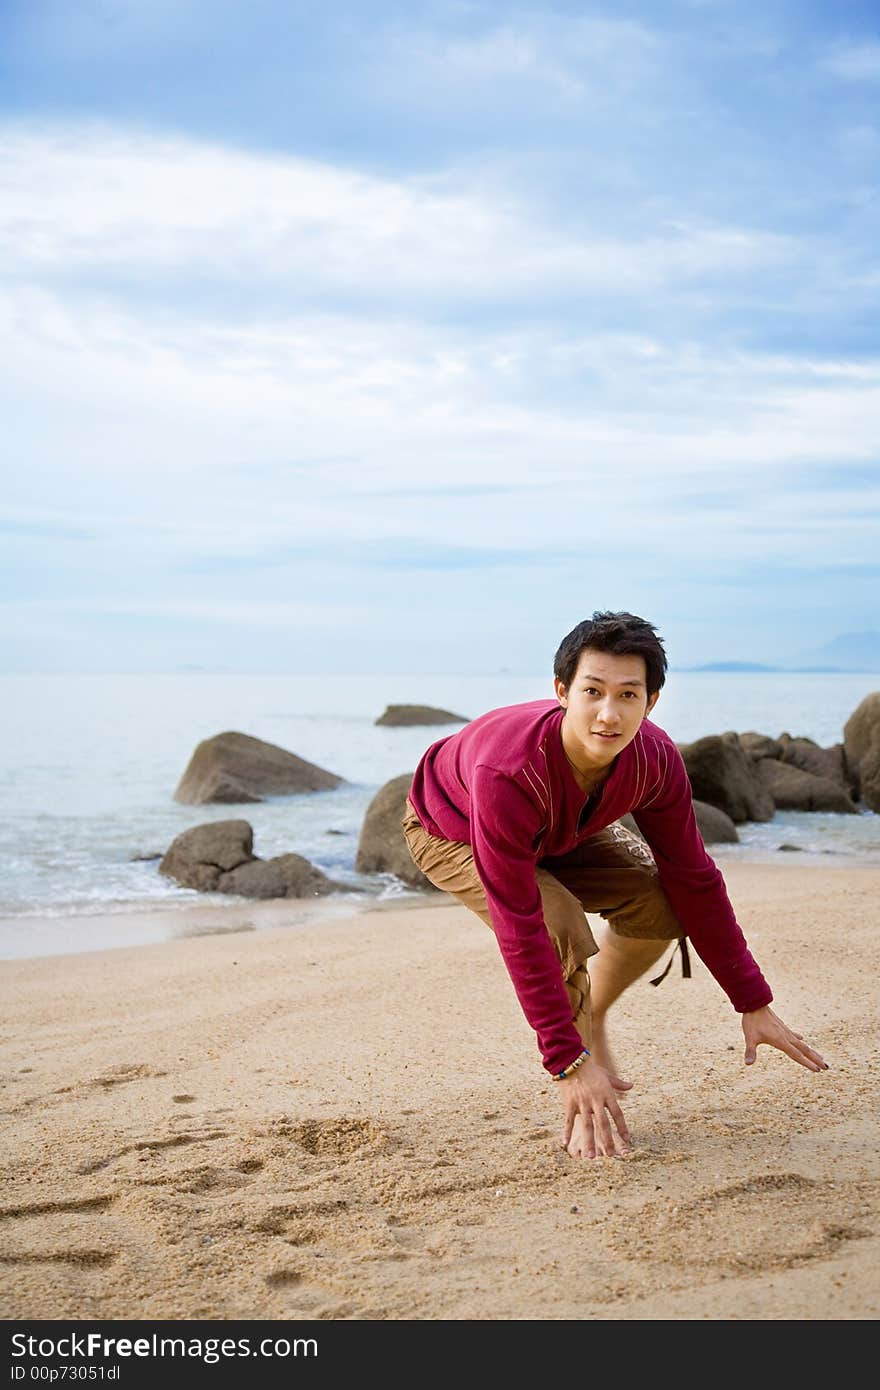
{"points": [[764, 1026]]}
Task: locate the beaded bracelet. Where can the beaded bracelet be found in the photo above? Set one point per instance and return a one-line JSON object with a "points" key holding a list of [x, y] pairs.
{"points": [[561, 1075]]}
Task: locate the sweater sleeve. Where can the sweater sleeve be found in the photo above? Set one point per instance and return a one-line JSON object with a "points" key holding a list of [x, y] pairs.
{"points": [[696, 890], [504, 824]]}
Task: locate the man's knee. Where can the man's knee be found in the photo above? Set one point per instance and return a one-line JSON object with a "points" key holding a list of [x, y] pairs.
{"points": [[644, 911], [566, 923]]}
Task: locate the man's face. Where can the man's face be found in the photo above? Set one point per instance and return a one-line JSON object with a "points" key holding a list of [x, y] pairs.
{"points": [[605, 703]]}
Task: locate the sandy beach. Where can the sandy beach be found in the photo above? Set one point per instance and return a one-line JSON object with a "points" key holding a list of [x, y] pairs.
{"points": [[349, 1120]]}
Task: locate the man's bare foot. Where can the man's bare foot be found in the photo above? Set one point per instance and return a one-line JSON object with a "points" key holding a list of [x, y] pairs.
{"points": [[601, 1053]]}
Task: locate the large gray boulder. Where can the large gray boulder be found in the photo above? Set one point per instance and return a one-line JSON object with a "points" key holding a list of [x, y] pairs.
{"points": [[858, 733], [406, 716], [757, 746], [218, 857], [715, 826], [382, 848], [285, 876], [233, 767], [869, 773], [792, 789], [810, 757], [198, 857], [722, 774]]}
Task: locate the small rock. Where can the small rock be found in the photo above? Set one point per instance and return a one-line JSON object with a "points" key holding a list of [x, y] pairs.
{"points": [[401, 716]]}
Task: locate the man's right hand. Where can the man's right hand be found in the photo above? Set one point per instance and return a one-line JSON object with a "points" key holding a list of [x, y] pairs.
{"points": [[594, 1123]]}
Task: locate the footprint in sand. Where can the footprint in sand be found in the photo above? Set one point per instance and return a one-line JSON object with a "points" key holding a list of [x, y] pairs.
{"points": [[145, 1147], [71, 1204], [305, 1296], [766, 1222], [27, 1227], [95, 1259], [336, 1138], [302, 1223], [119, 1075]]}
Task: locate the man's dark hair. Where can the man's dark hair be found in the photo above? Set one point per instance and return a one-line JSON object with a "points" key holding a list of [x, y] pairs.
{"points": [[621, 634]]}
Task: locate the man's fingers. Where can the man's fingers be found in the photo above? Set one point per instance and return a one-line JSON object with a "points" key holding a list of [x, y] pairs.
{"points": [[567, 1128], [604, 1137], [595, 1135], [793, 1045], [617, 1117], [792, 1050], [808, 1058], [812, 1054], [589, 1146]]}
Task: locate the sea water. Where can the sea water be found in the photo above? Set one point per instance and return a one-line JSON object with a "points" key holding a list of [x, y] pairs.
{"points": [[89, 764]]}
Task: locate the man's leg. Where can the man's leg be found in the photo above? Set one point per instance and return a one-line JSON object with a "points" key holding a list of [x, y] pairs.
{"points": [[620, 962], [614, 874], [449, 865]]}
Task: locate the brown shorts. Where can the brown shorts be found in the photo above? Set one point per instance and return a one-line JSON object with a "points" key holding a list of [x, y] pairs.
{"points": [[612, 874]]}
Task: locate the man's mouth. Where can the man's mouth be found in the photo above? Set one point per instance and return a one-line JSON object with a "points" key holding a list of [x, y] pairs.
{"points": [[599, 734]]}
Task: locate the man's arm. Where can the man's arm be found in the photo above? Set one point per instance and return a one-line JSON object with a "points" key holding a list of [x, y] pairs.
{"points": [[696, 891], [504, 825], [695, 888]]}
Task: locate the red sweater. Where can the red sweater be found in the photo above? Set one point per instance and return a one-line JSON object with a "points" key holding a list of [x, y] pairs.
{"points": [[504, 786]]}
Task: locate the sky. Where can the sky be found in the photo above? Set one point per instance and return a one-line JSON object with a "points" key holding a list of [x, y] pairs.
{"points": [[400, 337]]}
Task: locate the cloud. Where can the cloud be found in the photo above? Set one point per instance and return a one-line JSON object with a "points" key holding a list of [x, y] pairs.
{"points": [[259, 614], [328, 408], [91, 201], [854, 62], [569, 58], [57, 528]]}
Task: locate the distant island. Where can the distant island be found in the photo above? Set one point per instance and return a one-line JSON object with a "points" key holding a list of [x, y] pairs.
{"points": [[852, 653], [730, 666], [754, 666]]}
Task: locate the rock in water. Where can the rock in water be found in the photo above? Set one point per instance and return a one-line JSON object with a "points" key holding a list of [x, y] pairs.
{"points": [[809, 757], [721, 773], [382, 848], [198, 857], [715, 826], [859, 733], [285, 876], [402, 716], [793, 789], [758, 746], [869, 773], [218, 858], [233, 767]]}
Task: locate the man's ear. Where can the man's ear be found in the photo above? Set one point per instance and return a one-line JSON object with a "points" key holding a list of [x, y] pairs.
{"points": [[561, 692], [652, 702]]}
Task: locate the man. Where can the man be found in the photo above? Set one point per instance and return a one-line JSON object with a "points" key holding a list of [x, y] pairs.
{"points": [[516, 816]]}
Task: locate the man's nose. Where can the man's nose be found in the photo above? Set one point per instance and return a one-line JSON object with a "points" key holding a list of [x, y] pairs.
{"points": [[608, 713]]}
